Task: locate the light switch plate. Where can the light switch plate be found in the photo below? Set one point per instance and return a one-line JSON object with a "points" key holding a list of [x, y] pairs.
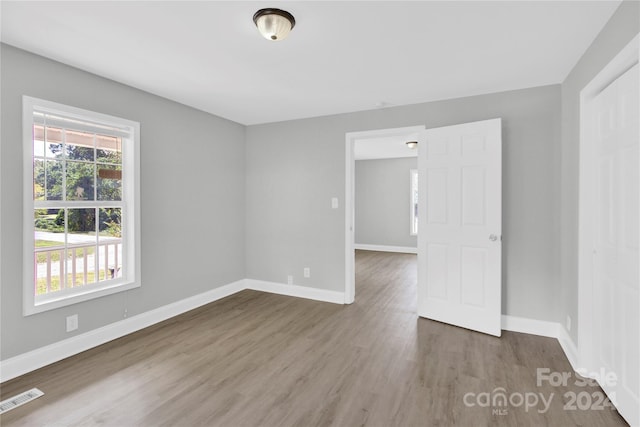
{"points": [[334, 203]]}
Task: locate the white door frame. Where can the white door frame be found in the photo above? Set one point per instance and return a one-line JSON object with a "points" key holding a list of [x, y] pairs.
{"points": [[586, 214], [350, 140]]}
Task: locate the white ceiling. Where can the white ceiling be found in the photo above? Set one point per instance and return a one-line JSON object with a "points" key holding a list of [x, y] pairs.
{"points": [[340, 57]]}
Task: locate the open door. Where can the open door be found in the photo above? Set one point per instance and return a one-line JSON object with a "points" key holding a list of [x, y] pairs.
{"points": [[460, 225]]}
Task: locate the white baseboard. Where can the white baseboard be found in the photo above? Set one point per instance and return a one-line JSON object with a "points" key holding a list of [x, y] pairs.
{"points": [[43, 356], [569, 347], [385, 248], [530, 326], [545, 329], [296, 291]]}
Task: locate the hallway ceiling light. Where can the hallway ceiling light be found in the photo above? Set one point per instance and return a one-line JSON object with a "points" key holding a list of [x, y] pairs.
{"points": [[412, 144], [274, 24]]}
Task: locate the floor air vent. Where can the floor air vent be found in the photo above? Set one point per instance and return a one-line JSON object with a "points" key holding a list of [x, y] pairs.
{"points": [[21, 399]]}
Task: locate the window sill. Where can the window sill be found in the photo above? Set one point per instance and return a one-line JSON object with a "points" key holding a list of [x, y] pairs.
{"points": [[89, 294]]}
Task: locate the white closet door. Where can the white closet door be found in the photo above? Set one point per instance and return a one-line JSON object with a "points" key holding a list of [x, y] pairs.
{"points": [[616, 296]]}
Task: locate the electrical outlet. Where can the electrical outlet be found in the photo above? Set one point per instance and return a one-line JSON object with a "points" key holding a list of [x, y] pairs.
{"points": [[568, 323], [72, 323], [289, 280], [307, 272]]}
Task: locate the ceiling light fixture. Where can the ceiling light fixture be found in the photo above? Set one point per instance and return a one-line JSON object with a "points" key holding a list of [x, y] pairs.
{"points": [[274, 24], [412, 144]]}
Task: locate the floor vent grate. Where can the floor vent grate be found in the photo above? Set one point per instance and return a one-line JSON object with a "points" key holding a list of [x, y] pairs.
{"points": [[21, 399]]}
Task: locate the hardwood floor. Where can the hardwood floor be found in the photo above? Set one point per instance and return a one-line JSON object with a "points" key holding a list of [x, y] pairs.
{"points": [[257, 359]]}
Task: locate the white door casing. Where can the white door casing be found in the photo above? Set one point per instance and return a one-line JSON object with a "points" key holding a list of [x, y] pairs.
{"points": [[460, 234], [615, 345]]}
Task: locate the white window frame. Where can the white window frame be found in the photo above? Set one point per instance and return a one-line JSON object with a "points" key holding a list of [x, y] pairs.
{"points": [[131, 271], [413, 231]]}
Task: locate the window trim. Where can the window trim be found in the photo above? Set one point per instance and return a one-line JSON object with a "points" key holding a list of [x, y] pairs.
{"points": [[412, 216], [130, 200]]}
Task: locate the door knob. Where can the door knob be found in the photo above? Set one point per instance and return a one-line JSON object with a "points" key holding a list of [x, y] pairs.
{"points": [[493, 237]]}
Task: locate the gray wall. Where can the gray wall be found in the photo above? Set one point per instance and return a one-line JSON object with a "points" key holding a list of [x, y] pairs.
{"points": [[295, 167], [192, 198], [382, 202], [283, 183], [619, 31]]}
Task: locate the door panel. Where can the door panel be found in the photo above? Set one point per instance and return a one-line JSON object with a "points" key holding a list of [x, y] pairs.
{"points": [[459, 243], [437, 191], [473, 275], [437, 274], [616, 254], [473, 196]]}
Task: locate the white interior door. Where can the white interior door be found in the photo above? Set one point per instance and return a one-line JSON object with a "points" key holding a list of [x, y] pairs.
{"points": [[460, 225], [616, 274]]}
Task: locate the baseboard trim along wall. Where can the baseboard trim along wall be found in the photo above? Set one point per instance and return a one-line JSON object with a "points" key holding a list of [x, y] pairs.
{"points": [[43, 356], [296, 291], [569, 347], [385, 248], [545, 329], [38, 358]]}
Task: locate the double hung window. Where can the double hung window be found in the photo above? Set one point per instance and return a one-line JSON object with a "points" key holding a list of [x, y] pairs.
{"points": [[81, 205]]}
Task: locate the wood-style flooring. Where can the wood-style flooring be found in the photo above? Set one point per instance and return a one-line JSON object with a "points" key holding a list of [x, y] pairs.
{"points": [[257, 359]]}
